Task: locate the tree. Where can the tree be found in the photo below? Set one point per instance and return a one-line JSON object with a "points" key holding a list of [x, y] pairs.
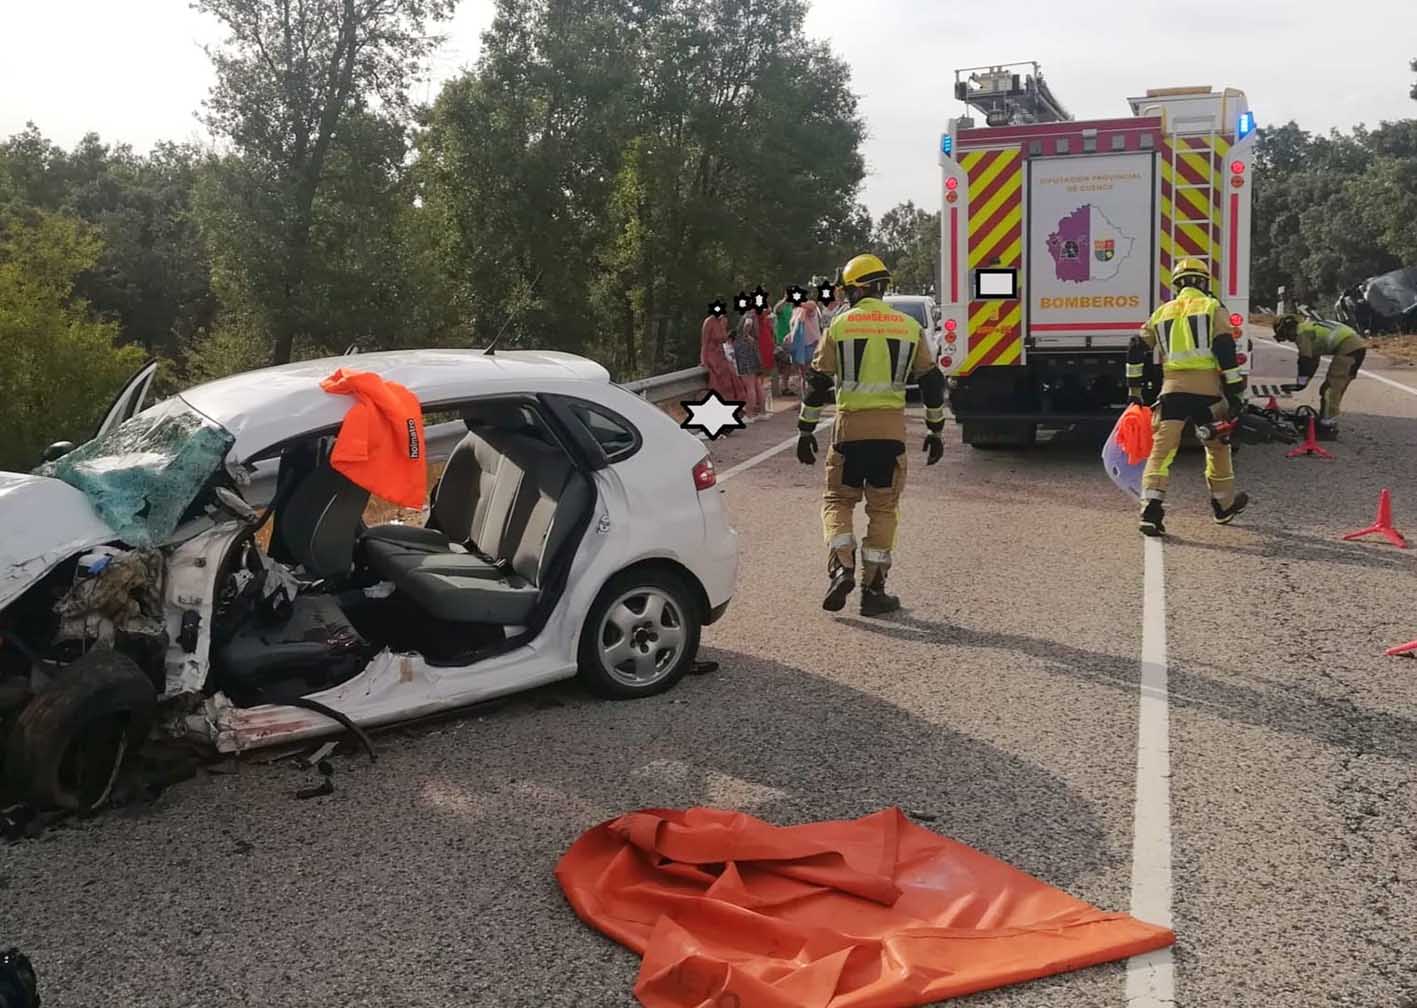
{"points": [[60, 369], [294, 79], [611, 166], [908, 239], [153, 275], [1413, 67]]}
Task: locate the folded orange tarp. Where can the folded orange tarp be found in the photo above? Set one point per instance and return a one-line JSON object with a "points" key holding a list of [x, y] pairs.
{"points": [[380, 445], [731, 912]]}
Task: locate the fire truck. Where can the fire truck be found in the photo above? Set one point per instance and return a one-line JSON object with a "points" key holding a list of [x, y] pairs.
{"points": [[1058, 236]]}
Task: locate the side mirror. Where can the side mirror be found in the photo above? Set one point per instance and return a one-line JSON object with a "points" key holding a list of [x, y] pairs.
{"points": [[57, 450]]}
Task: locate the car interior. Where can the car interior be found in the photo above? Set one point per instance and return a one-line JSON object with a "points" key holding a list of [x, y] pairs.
{"points": [[481, 576]]}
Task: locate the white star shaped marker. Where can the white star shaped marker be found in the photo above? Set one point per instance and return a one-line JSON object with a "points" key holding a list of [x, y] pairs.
{"points": [[713, 416]]}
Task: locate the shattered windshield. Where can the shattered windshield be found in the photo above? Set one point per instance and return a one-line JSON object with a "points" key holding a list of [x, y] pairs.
{"points": [[143, 475]]}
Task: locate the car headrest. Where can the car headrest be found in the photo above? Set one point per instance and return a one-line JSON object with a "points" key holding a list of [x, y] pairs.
{"points": [[505, 416]]}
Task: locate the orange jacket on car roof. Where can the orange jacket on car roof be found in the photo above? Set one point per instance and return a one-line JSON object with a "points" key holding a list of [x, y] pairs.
{"points": [[380, 445]]}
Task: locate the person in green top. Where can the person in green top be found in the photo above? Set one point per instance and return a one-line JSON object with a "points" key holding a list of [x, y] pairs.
{"points": [[782, 326], [1315, 338]]}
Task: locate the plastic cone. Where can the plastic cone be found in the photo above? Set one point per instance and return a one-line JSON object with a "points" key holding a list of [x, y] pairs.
{"points": [[1272, 406], [1311, 444], [1402, 649], [1383, 524]]}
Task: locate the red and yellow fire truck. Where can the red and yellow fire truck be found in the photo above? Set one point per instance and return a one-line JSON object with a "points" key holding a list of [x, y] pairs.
{"points": [[1057, 239]]}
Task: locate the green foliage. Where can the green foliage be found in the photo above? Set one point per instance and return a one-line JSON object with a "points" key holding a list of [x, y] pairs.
{"points": [[1332, 211], [315, 166], [908, 239], [60, 369], [611, 167]]}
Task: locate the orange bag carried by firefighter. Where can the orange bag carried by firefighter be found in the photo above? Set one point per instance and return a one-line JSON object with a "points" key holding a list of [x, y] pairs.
{"points": [[728, 910], [380, 445], [1134, 433]]}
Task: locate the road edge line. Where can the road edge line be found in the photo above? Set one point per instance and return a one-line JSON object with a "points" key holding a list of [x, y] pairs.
{"points": [[763, 456], [1151, 978], [1361, 374]]}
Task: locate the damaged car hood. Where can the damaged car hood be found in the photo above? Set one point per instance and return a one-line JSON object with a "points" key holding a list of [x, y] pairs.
{"points": [[43, 522]]}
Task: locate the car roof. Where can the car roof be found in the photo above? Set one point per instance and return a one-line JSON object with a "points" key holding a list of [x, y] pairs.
{"points": [[275, 404]]}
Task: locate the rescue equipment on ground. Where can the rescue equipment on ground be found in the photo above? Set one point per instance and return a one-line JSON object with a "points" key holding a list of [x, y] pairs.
{"points": [[1311, 444], [879, 912], [1383, 523]]}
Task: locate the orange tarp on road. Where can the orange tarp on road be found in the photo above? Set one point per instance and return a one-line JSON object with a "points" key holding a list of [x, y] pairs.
{"points": [[731, 912]]}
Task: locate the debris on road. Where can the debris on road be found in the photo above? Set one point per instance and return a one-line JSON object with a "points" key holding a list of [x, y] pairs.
{"points": [[852, 897]]}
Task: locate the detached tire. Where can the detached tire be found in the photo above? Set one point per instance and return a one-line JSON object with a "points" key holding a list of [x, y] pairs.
{"points": [[70, 742], [640, 636]]}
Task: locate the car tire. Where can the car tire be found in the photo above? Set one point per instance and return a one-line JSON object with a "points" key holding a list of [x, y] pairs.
{"points": [[631, 618], [69, 743]]}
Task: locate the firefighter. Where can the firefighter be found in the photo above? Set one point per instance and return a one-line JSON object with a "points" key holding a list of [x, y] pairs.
{"points": [[1202, 382], [869, 353], [1313, 339]]}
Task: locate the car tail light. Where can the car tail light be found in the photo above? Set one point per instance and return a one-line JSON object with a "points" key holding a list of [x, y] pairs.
{"points": [[704, 475]]}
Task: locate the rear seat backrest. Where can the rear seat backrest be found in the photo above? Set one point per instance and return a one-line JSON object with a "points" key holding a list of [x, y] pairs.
{"points": [[532, 483]]}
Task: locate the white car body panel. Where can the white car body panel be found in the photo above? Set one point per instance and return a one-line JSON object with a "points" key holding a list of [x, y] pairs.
{"points": [[58, 522], [267, 407]]}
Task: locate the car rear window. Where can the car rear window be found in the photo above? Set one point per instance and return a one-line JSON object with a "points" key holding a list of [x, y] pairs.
{"points": [[914, 309], [615, 435]]}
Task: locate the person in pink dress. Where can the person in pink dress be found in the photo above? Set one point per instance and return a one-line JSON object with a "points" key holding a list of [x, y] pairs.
{"points": [[722, 374]]}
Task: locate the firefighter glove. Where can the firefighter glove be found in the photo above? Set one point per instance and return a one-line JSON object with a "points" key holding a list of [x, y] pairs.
{"points": [[935, 447], [806, 448]]}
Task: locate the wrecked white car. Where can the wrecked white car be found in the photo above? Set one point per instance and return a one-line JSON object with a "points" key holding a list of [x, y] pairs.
{"points": [[575, 530]]}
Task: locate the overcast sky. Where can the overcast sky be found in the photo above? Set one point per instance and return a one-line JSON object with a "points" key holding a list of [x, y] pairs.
{"points": [[135, 72]]}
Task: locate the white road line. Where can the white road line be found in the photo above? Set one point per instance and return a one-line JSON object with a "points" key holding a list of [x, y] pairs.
{"points": [[1361, 374], [1151, 978], [763, 456]]}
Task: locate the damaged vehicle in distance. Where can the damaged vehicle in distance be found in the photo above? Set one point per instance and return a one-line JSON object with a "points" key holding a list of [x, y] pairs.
{"points": [[200, 566]]}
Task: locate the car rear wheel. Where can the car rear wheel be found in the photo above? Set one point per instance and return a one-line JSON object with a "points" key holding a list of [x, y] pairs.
{"points": [[641, 635], [70, 742]]}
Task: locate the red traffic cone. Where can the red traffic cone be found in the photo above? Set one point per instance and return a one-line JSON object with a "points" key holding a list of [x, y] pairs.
{"points": [[1272, 406], [1383, 524], [1410, 650], [1310, 445]]}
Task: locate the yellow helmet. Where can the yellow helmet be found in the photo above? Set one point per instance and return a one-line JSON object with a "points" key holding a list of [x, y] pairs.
{"points": [[864, 270], [1190, 269]]}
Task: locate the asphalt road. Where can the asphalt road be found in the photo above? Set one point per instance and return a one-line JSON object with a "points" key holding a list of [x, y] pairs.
{"points": [[1003, 701]]}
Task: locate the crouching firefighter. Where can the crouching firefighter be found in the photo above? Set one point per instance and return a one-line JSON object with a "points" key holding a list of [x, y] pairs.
{"points": [[870, 353], [1313, 339], [1202, 382]]}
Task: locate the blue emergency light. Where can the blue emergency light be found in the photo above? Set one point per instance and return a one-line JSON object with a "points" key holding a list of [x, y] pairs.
{"points": [[1246, 126], [947, 144]]}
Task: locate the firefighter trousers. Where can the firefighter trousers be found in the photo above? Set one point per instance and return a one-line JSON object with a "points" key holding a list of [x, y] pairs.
{"points": [[873, 471], [1168, 424], [1342, 369]]}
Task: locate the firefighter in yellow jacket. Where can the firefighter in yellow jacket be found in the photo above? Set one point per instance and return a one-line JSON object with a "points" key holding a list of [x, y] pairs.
{"points": [[1202, 382], [1314, 338], [869, 353]]}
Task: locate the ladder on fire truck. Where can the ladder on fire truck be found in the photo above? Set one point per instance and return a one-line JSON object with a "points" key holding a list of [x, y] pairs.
{"points": [[1182, 209]]}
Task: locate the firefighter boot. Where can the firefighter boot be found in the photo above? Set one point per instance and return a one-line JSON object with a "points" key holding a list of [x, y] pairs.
{"points": [[875, 601], [1224, 515], [1152, 517], [843, 581]]}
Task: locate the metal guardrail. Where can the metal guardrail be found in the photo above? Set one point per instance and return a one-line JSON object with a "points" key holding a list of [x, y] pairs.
{"points": [[441, 439]]}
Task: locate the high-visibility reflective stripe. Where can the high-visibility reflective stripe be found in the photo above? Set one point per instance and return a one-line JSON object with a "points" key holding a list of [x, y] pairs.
{"points": [[846, 362], [845, 541], [811, 413], [879, 557], [1180, 357], [872, 388], [1136, 370], [1233, 374], [905, 351], [934, 414]]}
